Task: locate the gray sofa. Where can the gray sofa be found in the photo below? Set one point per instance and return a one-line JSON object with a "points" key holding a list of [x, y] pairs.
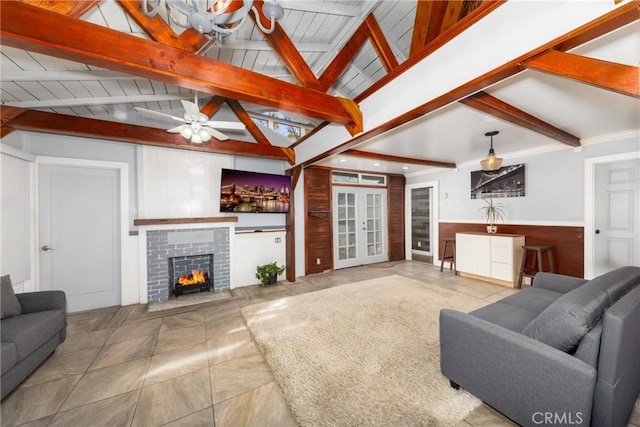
{"points": [[33, 324], [564, 352]]}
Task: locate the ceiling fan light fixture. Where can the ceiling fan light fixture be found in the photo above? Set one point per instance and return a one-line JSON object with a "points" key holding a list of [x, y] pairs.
{"points": [[186, 131], [204, 135], [195, 138], [492, 162]]}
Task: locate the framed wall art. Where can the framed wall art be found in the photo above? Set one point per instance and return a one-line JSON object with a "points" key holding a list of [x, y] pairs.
{"points": [[508, 181]]}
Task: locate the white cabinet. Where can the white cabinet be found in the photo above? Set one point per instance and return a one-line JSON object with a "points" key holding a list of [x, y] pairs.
{"points": [[252, 249], [495, 258]]}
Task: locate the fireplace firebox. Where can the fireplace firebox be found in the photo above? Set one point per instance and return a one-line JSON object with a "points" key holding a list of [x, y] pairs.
{"points": [[190, 273]]}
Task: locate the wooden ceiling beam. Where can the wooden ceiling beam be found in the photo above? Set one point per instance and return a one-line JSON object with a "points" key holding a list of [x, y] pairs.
{"points": [[398, 159], [28, 27], [286, 50], [368, 30], [619, 17], [435, 21], [9, 113], [195, 41], [474, 16], [74, 9], [620, 78], [344, 57], [156, 28], [451, 14], [212, 106], [420, 26], [248, 122], [380, 43], [39, 121], [486, 103]]}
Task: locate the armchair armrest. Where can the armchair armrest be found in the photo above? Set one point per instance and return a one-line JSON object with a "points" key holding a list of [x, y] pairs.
{"points": [[557, 282], [32, 302], [521, 377]]}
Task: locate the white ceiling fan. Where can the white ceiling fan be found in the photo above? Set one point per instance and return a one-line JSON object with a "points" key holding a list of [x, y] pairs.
{"points": [[196, 126]]}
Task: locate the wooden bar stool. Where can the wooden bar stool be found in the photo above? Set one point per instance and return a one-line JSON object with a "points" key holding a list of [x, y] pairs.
{"points": [[451, 258], [537, 261]]}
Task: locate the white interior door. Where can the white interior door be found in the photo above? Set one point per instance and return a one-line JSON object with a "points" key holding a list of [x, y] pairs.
{"points": [[616, 240], [360, 226], [79, 234]]}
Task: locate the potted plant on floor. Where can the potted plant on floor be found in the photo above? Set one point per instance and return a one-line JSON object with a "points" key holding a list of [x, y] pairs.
{"points": [[492, 212], [268, 273]]}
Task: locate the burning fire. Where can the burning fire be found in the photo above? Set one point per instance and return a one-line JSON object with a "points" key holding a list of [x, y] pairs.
{"points": [[194, 278]]}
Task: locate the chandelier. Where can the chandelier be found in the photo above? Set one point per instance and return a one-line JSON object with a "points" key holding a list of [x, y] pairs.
{"points": [[492, 162], [214, 18]]}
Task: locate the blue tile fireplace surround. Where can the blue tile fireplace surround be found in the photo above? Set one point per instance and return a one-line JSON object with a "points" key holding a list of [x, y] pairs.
{"points": [[165, 244]]}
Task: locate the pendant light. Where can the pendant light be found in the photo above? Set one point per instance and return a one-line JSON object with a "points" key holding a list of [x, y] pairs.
{"points": [[492, 162]]}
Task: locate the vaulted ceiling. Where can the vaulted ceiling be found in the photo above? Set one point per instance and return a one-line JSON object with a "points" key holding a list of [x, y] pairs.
{"points": [[79, 68]]}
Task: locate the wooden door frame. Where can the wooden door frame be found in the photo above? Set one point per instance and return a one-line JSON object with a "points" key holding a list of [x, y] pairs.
{"points": [[589, 203], [128, 291]]}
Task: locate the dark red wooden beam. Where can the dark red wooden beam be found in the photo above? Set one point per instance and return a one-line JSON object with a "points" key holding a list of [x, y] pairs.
{"points": [[34, 29]]}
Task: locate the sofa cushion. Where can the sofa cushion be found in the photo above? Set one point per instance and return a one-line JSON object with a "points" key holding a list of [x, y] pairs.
{"points": [[30, 331], [589, 347], [506, 315], [8, 356], [532, 299], [563, 324], [8, 300]]}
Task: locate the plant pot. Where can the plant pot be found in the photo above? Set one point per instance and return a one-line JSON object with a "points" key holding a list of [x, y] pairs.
{"points": [[273, 279], [492, 229]]}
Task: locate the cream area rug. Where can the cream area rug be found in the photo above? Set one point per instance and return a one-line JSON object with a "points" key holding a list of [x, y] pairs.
{"points": [[362, 354]]}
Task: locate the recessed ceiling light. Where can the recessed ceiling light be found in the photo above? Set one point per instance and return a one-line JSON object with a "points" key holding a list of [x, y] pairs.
{"points": [[343, 160], [405, 167], [376, 164]]}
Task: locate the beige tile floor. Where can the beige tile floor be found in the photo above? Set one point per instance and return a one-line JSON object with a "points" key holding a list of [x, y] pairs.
{"points": [[189, 366]]}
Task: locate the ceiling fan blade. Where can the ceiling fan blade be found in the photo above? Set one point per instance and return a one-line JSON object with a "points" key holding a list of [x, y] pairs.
{"points": [[217, 135], [177, 129], [225, 125], [191, 108], [158, 114]]}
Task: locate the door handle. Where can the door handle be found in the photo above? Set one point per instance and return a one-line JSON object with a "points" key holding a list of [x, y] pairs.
{"points": [[46, 248], [597, 231]]}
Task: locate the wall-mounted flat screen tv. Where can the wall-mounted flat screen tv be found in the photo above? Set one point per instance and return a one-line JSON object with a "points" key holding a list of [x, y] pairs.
{"points": [[254, 192]]}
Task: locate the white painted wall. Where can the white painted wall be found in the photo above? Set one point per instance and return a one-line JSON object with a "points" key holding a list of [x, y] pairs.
{"points": [[252, 249], [554, 185], [15, 232], [166, 183]]}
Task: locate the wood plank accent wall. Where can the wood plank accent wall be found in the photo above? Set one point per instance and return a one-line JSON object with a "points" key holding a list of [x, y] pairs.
{"points": [[567, 242], [395, 208], [318, 228]]}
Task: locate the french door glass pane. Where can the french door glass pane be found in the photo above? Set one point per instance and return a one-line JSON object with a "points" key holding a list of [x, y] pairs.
{"points": [[351, 199], [374, 224], [346, 226]]}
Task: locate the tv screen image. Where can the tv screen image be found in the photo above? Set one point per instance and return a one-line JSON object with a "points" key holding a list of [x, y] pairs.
{"points": [[254, 192]]}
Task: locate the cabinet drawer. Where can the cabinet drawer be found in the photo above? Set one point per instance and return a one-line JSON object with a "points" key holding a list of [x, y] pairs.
{"points": [[502, 254], [506, 242], [502, 271]]}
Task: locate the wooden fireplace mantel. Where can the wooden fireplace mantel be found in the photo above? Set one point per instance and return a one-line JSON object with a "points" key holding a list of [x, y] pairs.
{"points": [[201, 220]]}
